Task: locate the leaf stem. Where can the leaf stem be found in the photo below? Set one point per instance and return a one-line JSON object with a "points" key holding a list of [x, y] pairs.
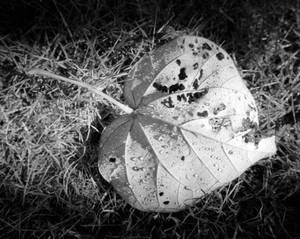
{"points": [[45, 73]]}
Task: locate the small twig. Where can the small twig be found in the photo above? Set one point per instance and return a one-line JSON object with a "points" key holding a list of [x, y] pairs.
{"points": [[45, 73]]}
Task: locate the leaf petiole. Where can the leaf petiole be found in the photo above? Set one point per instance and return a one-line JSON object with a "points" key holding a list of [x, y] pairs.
{"points": [[45, 73]]}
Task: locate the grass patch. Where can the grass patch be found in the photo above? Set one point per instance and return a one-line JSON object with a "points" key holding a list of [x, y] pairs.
{"points": [[49, 131]]}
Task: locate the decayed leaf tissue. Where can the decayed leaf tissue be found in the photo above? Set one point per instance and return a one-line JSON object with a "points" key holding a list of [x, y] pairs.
{"points": [[194, 128]]}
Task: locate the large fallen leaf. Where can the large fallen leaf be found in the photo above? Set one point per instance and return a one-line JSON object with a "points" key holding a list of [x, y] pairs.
{"points": [[194, 128]]}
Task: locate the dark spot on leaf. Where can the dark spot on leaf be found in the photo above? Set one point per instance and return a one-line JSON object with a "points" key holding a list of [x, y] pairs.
{"points": [[193, 96], [191, 45], [201, 73], [203, 114], [159, 87], [181, 97], [219, 108], [182, 158], [205, 46], [173, 88], [156, 85], [161, 193], [181, 87], [190, 97], [205, 55], [182, 75], [176, 87], [195, 66], [168, 102], [220, 56], [199, 94], [112, 160], [195, 84], [166, 202], [178, 62]]}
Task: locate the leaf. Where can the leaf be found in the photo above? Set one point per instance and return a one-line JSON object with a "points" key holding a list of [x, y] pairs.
{"points": [[194, 128]]}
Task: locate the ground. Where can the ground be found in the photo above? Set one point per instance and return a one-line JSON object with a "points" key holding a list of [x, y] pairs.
{"points": [[49, 182]]}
